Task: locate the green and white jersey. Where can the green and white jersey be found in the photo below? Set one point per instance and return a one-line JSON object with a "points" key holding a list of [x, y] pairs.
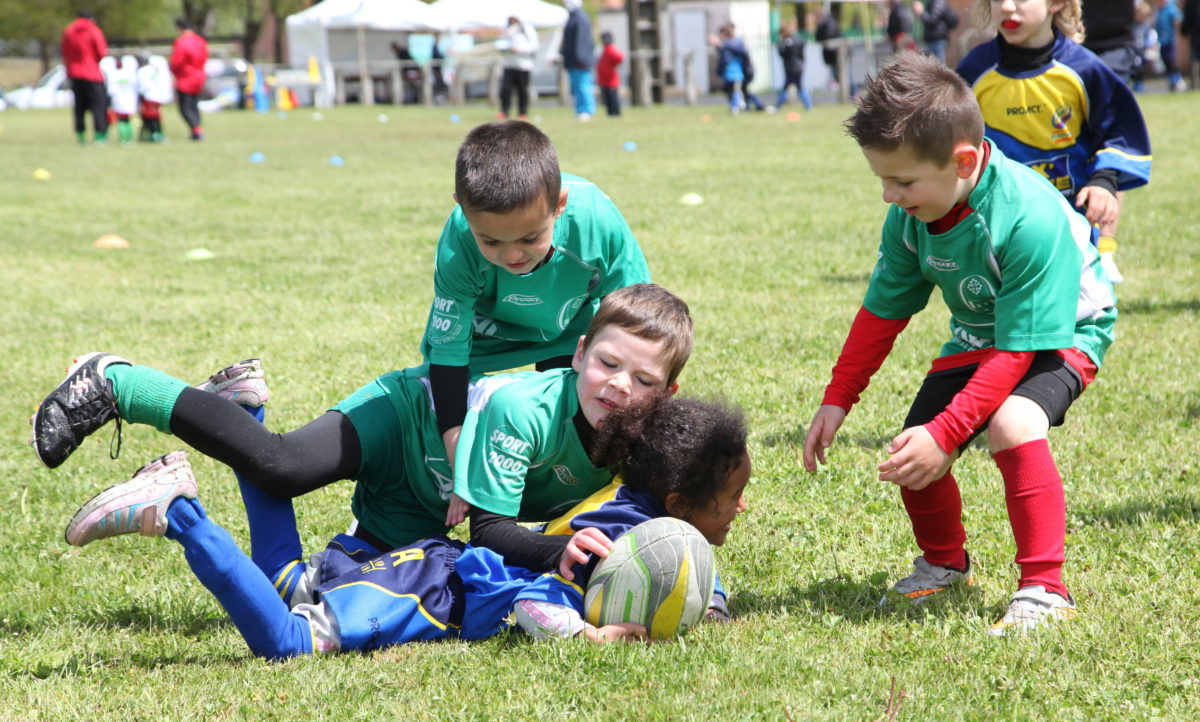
{"points": [[519, 454], [1019, 273], [489, 319]]}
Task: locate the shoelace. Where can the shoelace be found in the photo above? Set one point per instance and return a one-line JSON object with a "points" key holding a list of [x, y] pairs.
{"points": [[117, 435]]}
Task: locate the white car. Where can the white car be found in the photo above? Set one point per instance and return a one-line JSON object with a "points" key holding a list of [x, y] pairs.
{"points": [[52, 90]]}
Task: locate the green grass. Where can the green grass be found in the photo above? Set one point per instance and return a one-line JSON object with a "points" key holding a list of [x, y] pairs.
{"points": [[326, 273]]}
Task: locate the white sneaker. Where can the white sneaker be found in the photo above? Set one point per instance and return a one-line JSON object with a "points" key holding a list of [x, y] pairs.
{"points": [[926, 580], [138, 505], [583, 117], [1030, 607], [1109, 264], [241, 383]]}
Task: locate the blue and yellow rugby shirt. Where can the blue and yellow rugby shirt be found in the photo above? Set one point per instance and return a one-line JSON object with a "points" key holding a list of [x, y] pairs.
{"points": [[1066, 119]]}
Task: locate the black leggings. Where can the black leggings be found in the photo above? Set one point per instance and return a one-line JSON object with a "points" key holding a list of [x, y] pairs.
{"points": [[90, 97], [189, 108], [287, 465], [517, 80]]}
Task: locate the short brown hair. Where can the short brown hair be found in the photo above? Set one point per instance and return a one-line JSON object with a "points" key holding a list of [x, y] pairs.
{"points": [[506, 165], [649, 311], [916, 101]]}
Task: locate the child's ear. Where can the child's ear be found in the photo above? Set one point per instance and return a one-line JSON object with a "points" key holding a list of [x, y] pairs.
{"points": [[562, 203], [577, 359], [966, 159], [675, 505], [455, 196]]}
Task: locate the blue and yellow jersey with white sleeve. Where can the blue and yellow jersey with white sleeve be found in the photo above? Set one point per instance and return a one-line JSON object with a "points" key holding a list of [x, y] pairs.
{"points": [[1066, 119], [613, 510]]}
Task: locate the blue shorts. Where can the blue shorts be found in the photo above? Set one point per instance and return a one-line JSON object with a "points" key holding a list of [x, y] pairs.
{"points": [[435, 588]]}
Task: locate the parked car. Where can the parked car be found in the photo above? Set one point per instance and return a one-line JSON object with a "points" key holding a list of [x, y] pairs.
{"points": [[52, 90]]}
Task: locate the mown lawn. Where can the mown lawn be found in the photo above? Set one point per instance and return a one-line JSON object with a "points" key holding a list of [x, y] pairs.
{"points": [[325, 272]]}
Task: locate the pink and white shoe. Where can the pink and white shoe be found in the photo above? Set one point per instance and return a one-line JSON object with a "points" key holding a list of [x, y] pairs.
{"points": [[242, 383], [138, 505]]}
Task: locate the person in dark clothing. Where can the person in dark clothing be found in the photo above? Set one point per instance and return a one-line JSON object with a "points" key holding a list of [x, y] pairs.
{"points": [[1109, 28], [828, 30], [791, 52], [900, 26], [938, 19], [579, 57], [1190, 28]]}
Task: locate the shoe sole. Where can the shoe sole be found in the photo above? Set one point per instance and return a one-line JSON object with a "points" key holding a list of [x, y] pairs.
{"points": [[33, 420], [921, 596], [1060, 614], [105, 502]]}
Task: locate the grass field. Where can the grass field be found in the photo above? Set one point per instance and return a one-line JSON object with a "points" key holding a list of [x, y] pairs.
{"points": [[325, 272]]}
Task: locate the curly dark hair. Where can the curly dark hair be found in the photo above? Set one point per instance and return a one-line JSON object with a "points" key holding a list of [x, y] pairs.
{"points": [[671, 444]]}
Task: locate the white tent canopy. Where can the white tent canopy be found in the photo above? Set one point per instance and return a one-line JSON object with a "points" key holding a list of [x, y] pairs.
{"points": [[465, 15], [345, 30]]}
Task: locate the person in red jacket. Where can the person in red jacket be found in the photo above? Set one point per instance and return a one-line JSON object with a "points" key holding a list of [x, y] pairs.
{"points": [[188, 57], [83, 45], [607, 76]]}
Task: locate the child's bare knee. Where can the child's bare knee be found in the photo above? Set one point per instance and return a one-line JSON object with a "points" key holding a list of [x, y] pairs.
{"points": [[1019, 420]]}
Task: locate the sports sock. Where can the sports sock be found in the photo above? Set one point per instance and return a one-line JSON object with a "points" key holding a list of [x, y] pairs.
{"points": [[1037, 511], [274, 540], [936, 516], [144, 395], [269, 628]]}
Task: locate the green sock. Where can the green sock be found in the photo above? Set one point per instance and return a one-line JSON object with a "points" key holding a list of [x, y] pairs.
{"points": [[145, 395]]}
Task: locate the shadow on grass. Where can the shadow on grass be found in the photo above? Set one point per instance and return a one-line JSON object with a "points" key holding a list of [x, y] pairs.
{"points": [[855, 601], [858, 279], [1171, 509], [795, 440], [1151, 306]]}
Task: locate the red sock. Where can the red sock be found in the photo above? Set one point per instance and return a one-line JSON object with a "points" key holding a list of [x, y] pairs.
{"points": [[1037, 511], [936, 516]]}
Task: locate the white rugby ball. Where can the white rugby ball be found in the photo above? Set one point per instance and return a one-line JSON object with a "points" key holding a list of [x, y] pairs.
{"points": [[659, 574]]}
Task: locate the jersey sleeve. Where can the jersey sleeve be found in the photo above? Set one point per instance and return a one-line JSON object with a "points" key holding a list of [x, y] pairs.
{"points": [[867, 347], [457, 284], [505, 437], [897, 289], [1037, 300], [1121, 140]]}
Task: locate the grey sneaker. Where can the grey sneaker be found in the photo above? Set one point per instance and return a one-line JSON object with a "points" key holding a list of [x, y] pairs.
{"points": [[138, 505], [1031, 607], [242, 383], [926, 580], [81, 404]]}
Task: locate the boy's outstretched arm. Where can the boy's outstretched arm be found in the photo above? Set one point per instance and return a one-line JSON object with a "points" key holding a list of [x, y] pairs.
{"points": [[867, 346], [824, 427]]}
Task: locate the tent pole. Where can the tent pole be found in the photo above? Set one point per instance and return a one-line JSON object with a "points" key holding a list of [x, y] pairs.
{"points": [[366, 84]]}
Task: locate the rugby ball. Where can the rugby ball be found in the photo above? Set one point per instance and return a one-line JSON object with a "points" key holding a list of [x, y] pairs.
{"points": [[659, 574]]}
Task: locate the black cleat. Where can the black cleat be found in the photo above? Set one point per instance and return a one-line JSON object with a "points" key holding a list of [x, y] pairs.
{"points": [[82, 403]]}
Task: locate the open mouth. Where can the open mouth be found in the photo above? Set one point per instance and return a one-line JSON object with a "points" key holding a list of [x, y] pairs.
{"points": [[1010, 24]]}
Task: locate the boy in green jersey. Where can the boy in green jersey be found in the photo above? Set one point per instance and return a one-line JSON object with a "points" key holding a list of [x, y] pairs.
{"points": [[528, 437], [1031, 315], [521, 266]]}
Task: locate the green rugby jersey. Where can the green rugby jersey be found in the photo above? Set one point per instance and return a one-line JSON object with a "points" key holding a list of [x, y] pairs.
{"points": [[519, 454], [484, 317], [1019, 273]]}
